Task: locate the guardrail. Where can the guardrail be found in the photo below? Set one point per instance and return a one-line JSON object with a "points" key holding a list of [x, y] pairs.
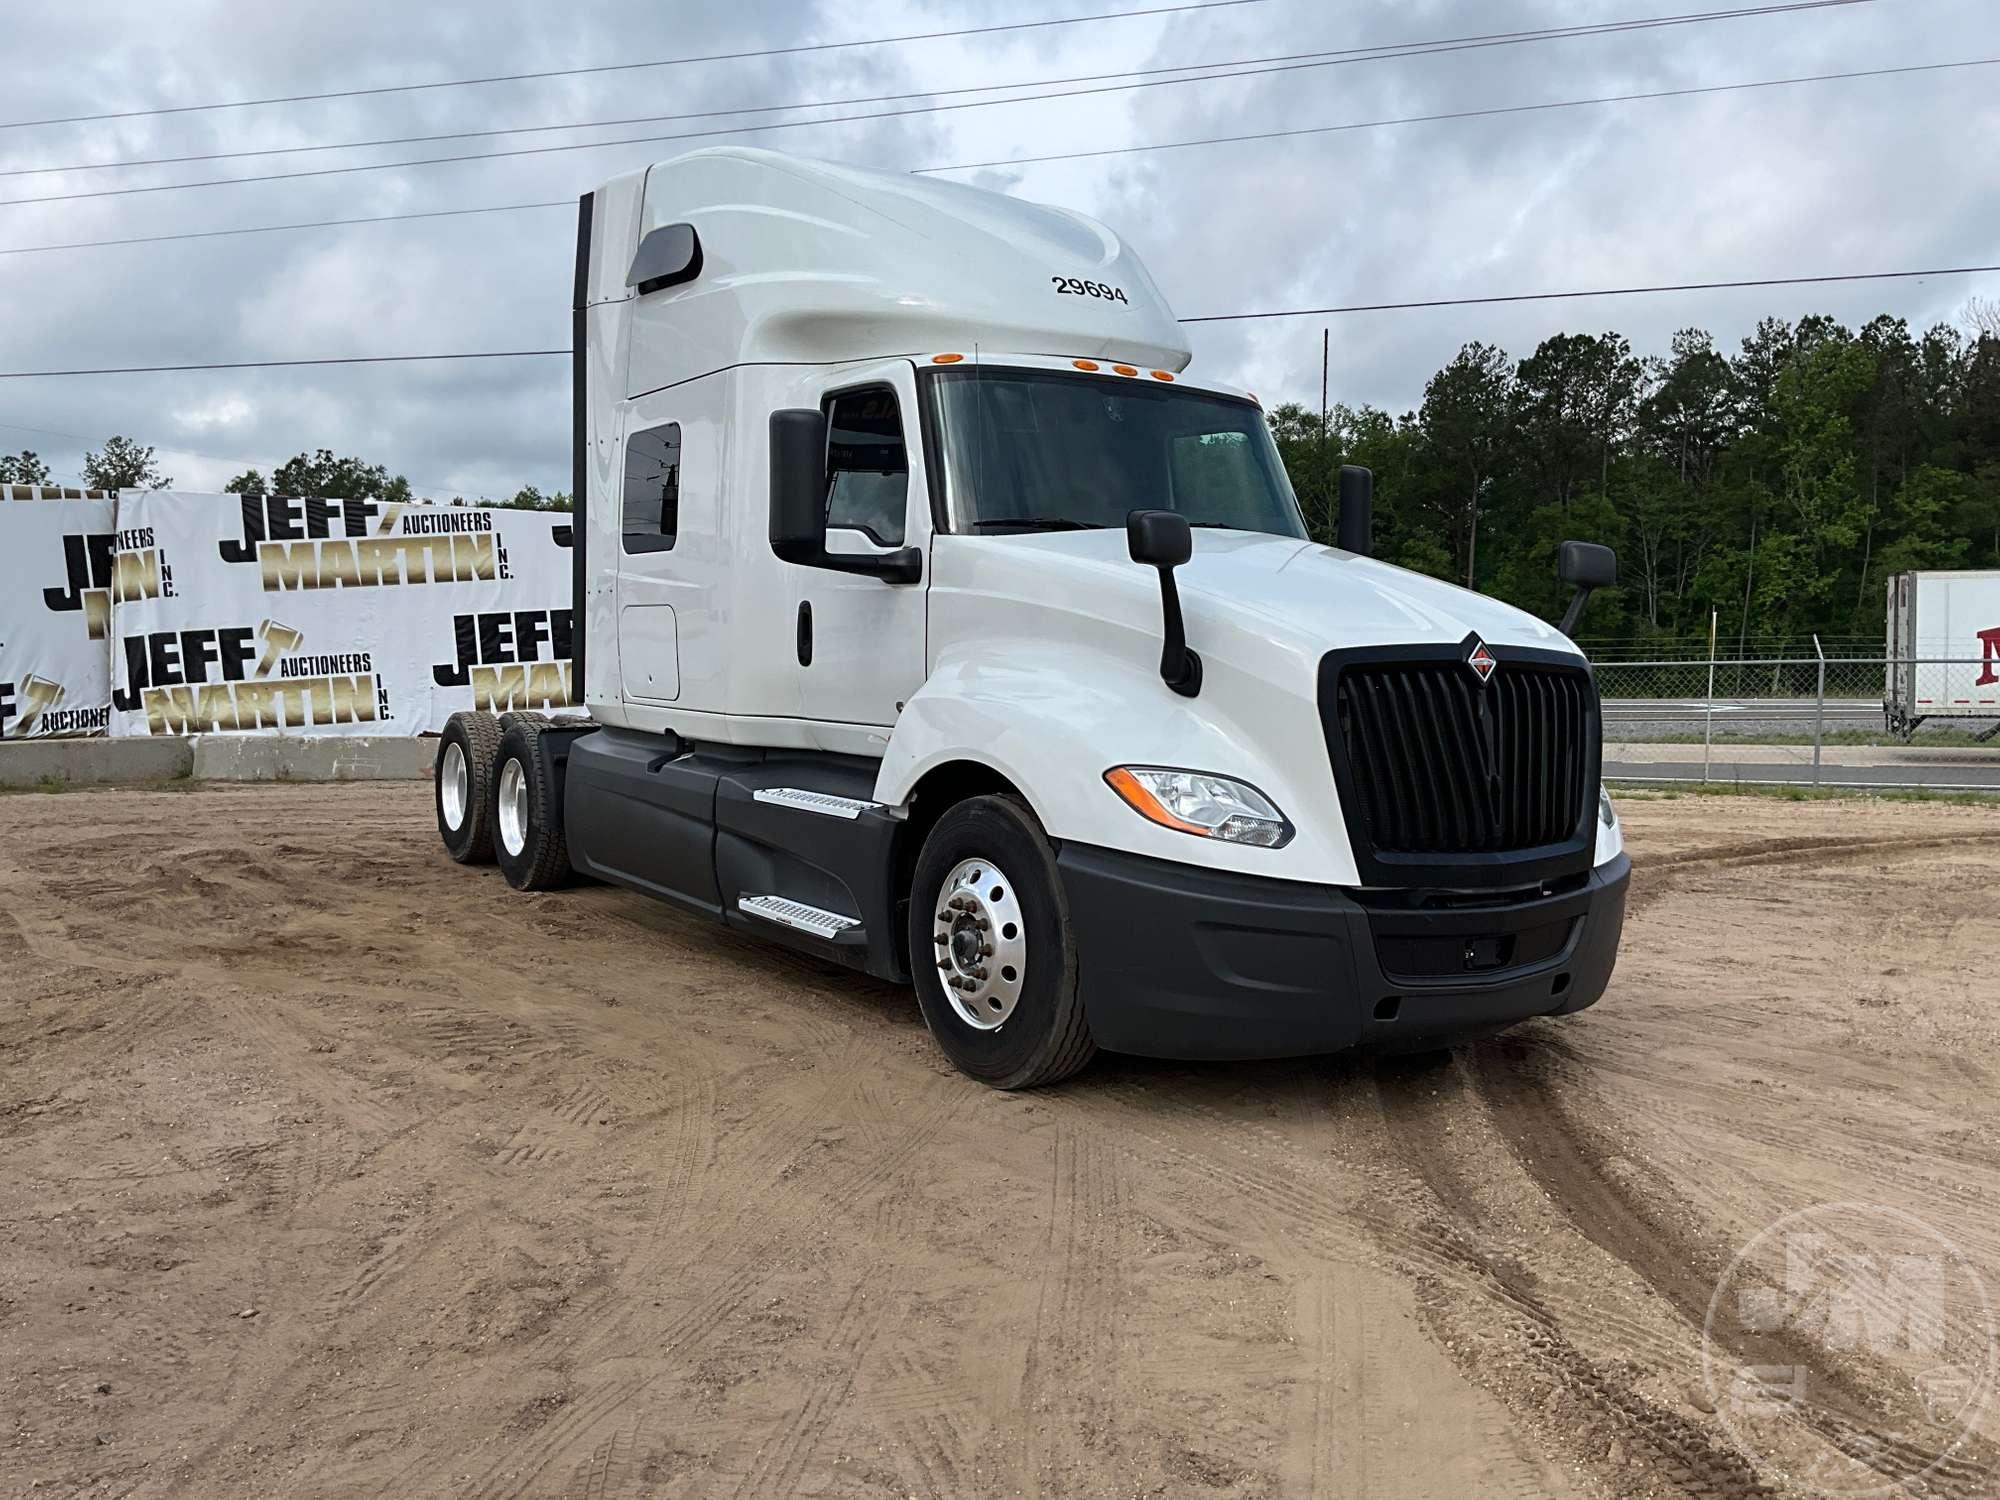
{"points": [[1843, 721]]}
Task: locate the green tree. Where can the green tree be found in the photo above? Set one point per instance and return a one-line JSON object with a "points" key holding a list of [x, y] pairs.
{"points": [[1467, 419], [1574, 400], [25, 467], [530, 498], [323, 476], [123, 465]]}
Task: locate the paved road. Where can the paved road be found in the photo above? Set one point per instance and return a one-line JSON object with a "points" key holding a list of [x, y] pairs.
{"points": [[1640, 718]]}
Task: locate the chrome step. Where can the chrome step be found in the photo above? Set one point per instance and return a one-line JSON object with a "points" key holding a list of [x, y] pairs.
{"points": [[797, 915], [802, 800]]}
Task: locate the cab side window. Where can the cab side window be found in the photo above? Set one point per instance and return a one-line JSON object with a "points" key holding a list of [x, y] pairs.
{"points": [[867, 466], [652, 495]]}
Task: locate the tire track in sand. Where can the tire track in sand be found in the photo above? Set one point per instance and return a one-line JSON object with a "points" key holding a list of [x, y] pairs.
{"points": [[1852, 1408], [1604, 1407]]}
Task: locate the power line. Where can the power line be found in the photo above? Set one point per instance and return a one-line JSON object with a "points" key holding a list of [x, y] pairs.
{"points": [[1290, 312], [1616, 291], [1217, 140], [1542, 33], [627, 67], [1461, 114], [291, 364], [1419, 50], [211, 234]]}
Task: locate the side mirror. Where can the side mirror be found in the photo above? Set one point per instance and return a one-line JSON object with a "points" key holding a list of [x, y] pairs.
{"points": [[1159, 538], [798, 505], [1162, 539], [798, 485], [1585, 566], [1356, 526]]}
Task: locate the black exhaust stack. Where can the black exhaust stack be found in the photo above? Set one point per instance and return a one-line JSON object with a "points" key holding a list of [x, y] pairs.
{"points": [[579, 443], [1357, 510]]}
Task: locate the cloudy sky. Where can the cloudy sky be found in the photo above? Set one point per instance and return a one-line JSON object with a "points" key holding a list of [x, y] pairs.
{"points": [[1861, 174]]}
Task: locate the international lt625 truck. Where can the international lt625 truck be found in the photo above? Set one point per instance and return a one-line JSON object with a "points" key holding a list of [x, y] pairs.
{"points": [[930, 618]]}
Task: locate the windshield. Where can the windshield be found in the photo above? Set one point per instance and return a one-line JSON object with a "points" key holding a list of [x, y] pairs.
{"points": [[1029, 450]]}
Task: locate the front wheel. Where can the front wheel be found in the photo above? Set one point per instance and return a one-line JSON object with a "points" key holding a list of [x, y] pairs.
{"points": [[991, 950]]}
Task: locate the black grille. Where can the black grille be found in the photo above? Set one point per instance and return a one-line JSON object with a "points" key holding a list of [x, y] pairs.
{"points": [[1438, 763]]}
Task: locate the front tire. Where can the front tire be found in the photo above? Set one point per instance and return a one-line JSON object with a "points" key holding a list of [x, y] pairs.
{"points": [[528, 836], [991, 951], [462, 785]]}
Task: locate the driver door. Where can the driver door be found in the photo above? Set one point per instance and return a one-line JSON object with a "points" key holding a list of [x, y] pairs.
{"points": [[861, 640]]}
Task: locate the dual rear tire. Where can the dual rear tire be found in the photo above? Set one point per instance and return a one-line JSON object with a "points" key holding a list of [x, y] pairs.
{"points": [[468, 752], [496, 799]]}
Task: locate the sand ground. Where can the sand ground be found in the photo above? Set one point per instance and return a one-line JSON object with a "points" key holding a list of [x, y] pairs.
{"points": [[328, 1167]]}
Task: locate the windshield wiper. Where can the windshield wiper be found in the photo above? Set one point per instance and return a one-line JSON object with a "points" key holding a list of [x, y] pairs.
{"points": [[1033, 523]]}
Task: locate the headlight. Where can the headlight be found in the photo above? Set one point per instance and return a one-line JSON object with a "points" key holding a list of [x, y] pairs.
{"points": [[1604, 811], [1210, 807]]}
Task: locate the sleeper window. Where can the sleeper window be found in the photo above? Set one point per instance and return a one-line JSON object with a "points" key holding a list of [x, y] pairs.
{"points": [[868, 470], [652, 488]]}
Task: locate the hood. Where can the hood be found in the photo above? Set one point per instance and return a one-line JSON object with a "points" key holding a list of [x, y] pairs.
{"points": [[1299, 594]]}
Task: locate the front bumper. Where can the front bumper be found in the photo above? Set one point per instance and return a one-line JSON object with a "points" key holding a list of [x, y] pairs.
{"points": [[1177, 961]]}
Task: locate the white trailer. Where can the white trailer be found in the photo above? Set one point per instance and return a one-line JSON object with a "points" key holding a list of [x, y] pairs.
{"points": [[933, 618], [1944, 649]]}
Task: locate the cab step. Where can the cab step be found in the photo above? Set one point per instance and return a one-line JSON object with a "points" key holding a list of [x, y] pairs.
{"points": [[796, 915], [825, 803]]}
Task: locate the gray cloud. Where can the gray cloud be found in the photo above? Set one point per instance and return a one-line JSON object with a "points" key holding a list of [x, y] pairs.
{"points": [[1876, 173]]}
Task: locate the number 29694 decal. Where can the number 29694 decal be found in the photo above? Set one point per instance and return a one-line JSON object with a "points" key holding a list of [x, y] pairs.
{"points": [[1070, 286]]}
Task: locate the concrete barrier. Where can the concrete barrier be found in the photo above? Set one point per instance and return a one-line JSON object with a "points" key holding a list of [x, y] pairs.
{"points": [[56, 764], [272, 757], [53, 764]]}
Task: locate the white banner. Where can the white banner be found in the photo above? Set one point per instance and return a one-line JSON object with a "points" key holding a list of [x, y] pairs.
{"points": [[282, 615], [58, 573]]}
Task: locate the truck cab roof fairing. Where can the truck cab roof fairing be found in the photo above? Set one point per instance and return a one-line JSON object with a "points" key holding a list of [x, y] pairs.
{"points": [[814, 263]]}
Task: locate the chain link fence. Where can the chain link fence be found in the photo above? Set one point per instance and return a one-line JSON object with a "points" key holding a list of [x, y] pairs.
{"points": [[1805, 719]]}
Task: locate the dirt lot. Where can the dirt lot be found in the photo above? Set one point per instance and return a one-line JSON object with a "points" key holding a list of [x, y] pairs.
{"points": [[328, 1167]]}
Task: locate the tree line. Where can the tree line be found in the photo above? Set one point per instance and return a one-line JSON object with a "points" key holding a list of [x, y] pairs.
{"points": [[124, 464], [1777, 486]]}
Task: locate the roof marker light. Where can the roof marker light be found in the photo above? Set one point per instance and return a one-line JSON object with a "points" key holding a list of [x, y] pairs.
{"points": [[1162, 375], [1125, 369], [1086, 364], [946, 359]]}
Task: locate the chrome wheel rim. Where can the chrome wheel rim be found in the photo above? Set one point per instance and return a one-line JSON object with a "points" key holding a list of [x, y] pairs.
{"points": [[454, 786], [981, 941], [513, 807]]}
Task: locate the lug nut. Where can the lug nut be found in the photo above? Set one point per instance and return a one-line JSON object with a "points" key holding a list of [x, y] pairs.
{"points": [[943, 938]]}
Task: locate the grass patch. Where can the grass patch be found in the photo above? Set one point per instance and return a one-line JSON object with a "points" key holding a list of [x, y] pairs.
{"points": [[1781, 792], [1940, 739], [48, 786]]}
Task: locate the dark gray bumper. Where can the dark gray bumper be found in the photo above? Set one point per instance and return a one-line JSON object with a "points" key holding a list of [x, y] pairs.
{"points": [[1178, 961]]}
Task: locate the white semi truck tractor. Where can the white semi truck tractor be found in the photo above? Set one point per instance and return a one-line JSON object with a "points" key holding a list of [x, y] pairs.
{"points": [[932, 618]]}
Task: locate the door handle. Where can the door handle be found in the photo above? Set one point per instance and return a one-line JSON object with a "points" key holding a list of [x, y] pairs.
{"points": [[805, 633]]}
